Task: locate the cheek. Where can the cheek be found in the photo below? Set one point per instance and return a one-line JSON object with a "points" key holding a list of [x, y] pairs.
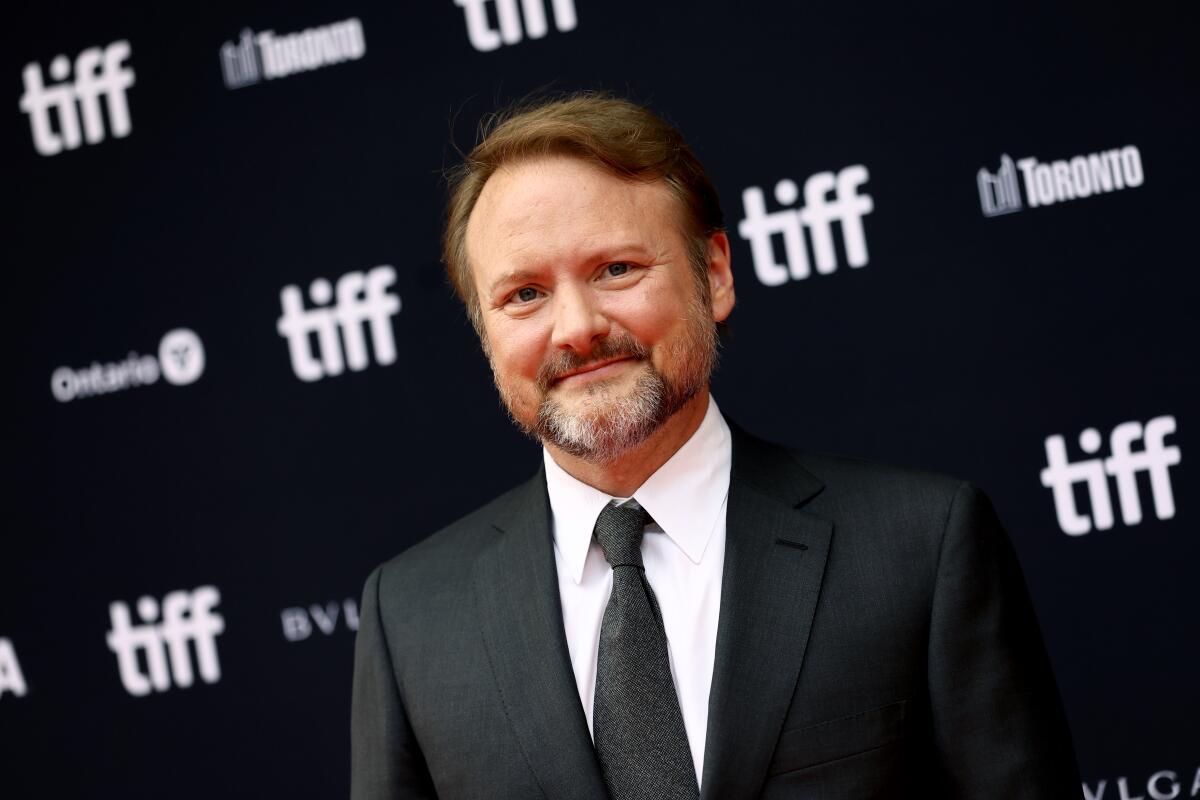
{"points": [[518, 349], [650, 314]]}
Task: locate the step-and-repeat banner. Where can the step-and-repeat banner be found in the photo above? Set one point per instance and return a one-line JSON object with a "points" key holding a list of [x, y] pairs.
{"points": [[963, 239]]}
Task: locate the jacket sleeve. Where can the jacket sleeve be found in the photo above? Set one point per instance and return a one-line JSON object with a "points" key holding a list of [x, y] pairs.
{"points": [[385, 760], [998, 721]]}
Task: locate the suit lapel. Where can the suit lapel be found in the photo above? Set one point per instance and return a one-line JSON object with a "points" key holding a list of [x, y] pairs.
{"points": [[774, 562], [516, 591]]}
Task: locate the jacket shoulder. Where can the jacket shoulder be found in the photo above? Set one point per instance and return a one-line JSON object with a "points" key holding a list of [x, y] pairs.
{"points": [[857, 481], [903, 510], [893, 518], [836, 485]]}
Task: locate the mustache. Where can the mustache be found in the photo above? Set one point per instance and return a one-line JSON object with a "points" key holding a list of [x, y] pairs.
{"points": [[610, 347]]}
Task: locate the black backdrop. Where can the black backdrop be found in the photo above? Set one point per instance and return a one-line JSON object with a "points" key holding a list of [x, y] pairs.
{"points": [[962, 345]]}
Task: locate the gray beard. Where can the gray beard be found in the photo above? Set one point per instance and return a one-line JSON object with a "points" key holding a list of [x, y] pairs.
{"points": [[604, 429]]}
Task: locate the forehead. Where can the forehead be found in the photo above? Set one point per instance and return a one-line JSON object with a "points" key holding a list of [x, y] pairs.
{"points": [[559, 209]]}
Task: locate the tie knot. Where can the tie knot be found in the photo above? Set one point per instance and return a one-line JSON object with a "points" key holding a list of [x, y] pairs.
{"points": [[619, 533]]}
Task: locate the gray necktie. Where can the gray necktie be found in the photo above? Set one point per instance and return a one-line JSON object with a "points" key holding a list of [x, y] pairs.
{"points": [[636, 723]]}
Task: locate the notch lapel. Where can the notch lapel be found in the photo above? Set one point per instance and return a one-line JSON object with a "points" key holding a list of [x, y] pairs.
{"points": [[775, 558], [516, 592]]}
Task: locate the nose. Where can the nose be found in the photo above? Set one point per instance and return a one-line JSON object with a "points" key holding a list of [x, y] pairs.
{"points": [[578, 321]]}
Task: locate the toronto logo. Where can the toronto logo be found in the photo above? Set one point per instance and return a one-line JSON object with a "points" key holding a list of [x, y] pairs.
{"points": [[267, 55], [1057, 181]]}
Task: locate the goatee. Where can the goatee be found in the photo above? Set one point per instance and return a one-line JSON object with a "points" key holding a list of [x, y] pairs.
{"points": [[605, 424]]}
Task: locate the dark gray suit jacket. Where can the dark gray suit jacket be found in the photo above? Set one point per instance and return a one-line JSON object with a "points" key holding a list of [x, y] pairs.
{"points": [[875, 640]]}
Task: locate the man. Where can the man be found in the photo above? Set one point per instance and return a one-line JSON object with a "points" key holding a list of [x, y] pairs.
{"points": [[671, 608]]}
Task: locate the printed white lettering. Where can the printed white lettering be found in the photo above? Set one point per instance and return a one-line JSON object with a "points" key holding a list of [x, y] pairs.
{"points": [[268, 55], [11, 678], [188, 621], [1124, 464], [99, 72], [484, 38], [847, 208], [180, 361], [361, 298], [300, 623], [1058, 181]]}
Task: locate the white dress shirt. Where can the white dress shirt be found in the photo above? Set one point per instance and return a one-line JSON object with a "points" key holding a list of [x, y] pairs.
{"points": [[683, 552]]}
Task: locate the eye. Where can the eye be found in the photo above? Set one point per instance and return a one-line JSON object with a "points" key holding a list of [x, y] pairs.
{"points": [[526, 294], [618, 269]]}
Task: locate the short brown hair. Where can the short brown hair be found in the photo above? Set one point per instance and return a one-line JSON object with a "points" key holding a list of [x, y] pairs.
{"points": [[620, 136]]}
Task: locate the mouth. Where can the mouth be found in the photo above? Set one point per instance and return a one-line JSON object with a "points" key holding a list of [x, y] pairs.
{"points": [[595, 370]]}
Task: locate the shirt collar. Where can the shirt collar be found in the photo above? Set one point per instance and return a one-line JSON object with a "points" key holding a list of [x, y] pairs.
{"points": [[685, 496]]}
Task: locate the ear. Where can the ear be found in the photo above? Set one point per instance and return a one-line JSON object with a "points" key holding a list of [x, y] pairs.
{"points": [[720, 276]]}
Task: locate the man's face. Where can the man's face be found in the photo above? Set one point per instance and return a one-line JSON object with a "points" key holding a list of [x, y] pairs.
{"points": [[592, 317]]}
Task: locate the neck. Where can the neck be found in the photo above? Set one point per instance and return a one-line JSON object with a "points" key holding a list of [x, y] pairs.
{"points": [[623, 477]]}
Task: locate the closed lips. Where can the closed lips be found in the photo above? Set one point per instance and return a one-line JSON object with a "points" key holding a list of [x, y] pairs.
{"points": [[591, 368]]}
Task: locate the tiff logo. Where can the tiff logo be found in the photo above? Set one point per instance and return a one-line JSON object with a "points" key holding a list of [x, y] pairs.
{"points": [[1155, 459], [188, 621], [484, 37], [361, 298], [98, 73], [818, 215]]}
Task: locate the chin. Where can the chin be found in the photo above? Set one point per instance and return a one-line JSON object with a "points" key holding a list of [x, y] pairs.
{"points": [[606, 423]]}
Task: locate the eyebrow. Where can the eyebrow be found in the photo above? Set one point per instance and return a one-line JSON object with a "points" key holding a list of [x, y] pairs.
{"points": [[515, 276], [599, 255]]}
